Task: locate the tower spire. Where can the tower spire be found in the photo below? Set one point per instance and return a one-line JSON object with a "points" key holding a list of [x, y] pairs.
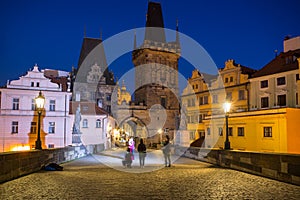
{"points": [[177, 32]]}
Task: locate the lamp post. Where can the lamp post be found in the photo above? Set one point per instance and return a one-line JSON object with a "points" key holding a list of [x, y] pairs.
{"points": [[226, 107], [39, 102]]}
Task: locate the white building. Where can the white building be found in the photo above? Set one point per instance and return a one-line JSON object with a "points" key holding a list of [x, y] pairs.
{"points": [[275, 85], [96, 125], [18, 117]]}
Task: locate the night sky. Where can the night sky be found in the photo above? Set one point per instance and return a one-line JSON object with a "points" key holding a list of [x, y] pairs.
{"points": [[50, 33]]}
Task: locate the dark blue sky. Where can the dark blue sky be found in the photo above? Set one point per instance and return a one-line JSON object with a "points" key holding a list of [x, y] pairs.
{"points": [[50, 33]]}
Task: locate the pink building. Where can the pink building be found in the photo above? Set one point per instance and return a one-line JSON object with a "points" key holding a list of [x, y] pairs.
{"points": [[18, 117]]}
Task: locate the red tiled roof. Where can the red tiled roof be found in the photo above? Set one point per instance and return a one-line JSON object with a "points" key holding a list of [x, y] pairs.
{"points": [[283, 62]]}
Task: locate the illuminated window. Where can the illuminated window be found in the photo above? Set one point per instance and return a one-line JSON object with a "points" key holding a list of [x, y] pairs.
{"points": [[14, 127], [241, 131], [51, 127], [267, 131], [15, 104], [98, 123], [85, 123], [33, 127]]}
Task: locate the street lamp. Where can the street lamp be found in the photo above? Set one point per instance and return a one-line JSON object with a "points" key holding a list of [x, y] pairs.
{"points": [[226, 107], [39, 102]]}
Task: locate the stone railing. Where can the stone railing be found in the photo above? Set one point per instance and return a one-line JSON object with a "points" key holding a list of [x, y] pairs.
{"points": [[279, 166], [16, 164]]}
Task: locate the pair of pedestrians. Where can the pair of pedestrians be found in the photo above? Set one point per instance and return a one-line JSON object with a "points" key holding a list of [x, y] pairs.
{"points": [[129, 155]]}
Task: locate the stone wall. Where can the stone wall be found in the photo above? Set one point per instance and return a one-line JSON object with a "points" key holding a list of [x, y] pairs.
{"points": [[279, 166], [16, 164]]}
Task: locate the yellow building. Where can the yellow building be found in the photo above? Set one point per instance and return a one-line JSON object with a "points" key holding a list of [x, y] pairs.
{"points": [[205, 94], [273, 130]]}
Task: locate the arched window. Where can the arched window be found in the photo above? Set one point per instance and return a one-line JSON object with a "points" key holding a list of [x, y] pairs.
{"points": [[85, 123], [98, 123]]}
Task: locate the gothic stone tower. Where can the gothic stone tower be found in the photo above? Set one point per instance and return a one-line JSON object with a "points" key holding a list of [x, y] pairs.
{"points": [[156, 69]]}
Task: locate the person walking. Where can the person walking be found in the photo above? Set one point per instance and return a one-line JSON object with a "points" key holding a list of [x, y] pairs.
{"points": [[167, 151], [142, 153]]}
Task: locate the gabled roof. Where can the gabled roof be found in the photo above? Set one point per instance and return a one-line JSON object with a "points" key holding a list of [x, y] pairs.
{"points": [[283, 62]]}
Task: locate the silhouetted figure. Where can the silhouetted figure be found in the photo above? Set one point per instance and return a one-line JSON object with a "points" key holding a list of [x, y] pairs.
{"points": [[142, 153], [167, 151]]}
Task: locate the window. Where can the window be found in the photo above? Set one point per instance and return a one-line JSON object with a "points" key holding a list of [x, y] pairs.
{"points": [[281, 100], [193, 102], [241, 94], [85, 123], [200, 100], [98, 123], [108, 108], [14, 127], [32, 84], [226, 80], [229, 96], [192, 135], [264, 102], [208, 131], [231, 79], [200, 118], [15, 104], [267, 131], [205, 100], [51, 127], [220, 131], [33, 127], [32, 104], [230, 132], [37, 84], [297, 99], [52, 105], [196, 86], [297, 77], [281, 81], [50, 146], [264, 84], [215, 98], [241, 131], [108, 97]]}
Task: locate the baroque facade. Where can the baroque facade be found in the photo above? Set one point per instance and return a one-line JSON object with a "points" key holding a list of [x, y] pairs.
{"points": [[18, 116]]}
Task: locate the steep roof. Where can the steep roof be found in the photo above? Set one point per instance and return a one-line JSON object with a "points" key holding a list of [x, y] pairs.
{"points": [[155, 19], [283, 62], [92, 53]]}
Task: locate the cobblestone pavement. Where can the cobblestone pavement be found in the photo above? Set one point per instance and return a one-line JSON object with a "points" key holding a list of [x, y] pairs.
{"points": [[87, 178]]}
